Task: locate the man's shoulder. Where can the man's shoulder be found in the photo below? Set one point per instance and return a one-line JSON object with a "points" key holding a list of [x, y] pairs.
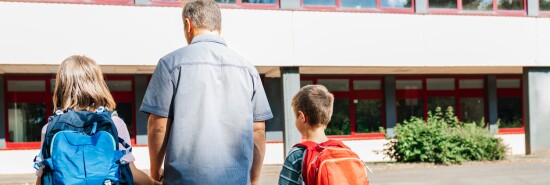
{"points": [[197, 53]]}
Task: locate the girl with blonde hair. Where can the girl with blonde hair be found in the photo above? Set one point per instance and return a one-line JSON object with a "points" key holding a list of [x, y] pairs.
{"points": [[79, 86]]}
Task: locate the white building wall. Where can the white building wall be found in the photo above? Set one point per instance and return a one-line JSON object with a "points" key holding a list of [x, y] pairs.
{"points": [[46, 33]]}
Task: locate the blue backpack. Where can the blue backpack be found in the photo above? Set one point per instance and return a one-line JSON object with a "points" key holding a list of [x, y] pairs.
{"points": [[81, 147]]}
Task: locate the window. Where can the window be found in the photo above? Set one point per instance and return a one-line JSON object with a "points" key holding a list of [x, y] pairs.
{"points": [[335, 84], [29, 104], [319, 2], [396, 3], [262, 4], [442, 102], [442, 4], [358, 109], [340, 121], [465, 94], [408, 108], [358, 3], [409, 99], [25, 121], [513, 7], [477, 5], [509, 103], [545, 5], [305, 82], [364, 5]]}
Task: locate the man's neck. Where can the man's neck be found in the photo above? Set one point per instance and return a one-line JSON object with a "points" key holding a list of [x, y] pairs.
{"points": [[205, 32], [316, 135]]}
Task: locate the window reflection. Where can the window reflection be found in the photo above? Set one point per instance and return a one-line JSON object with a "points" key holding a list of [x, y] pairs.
{"points": [[26, 121], [368, 115], [443, 102], [124, 111], [340, 121], [407, 108], [319, 2], [510, 4], [359, 3], [545, 5], [471, 110], [443, 4], [259, 1], [477, 5], [509, 112], [396, 3]]}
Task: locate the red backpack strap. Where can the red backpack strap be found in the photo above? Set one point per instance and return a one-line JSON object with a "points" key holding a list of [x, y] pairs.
{"points": [[334, 143]]}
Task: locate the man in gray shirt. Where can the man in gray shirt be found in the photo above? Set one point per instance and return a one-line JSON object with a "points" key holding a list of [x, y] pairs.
{"points": [[207, 108]]}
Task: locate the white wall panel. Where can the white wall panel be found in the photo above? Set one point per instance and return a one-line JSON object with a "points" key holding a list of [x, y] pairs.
{"points": [[40, 33]]}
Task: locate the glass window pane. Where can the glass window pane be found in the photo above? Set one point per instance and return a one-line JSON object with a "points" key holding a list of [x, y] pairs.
{"points": [[477, 5], [225, 1], [407, 108], [471, 84], [408, 84], [124, 111], [440, 84], [510, 4], [508, 83], [359, 3], [335, 84], [26, 85], [396, 3], [305, 82], [26, 121], [119, 85], [545, 5], [443, 102], [471, 110], [367, 85], [260, 1], [509, 112], [368, 116], [340, 121], [319, 2], [443, 4]]}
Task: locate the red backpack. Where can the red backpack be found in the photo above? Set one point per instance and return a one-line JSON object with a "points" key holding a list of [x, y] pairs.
{"points": [[332, 162]]}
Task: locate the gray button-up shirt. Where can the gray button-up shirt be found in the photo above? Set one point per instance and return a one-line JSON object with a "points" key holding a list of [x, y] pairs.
{"points": [[213, 95]]}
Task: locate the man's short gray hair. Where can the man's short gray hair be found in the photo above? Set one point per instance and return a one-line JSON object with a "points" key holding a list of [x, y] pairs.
{"points": [[204, 14]]}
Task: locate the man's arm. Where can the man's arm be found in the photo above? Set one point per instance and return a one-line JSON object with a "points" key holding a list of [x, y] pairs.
{"points": [[157, 134], [259, 152]]}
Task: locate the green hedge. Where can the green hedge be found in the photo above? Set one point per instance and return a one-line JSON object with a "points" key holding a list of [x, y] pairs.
{"points": [[442, 139]]}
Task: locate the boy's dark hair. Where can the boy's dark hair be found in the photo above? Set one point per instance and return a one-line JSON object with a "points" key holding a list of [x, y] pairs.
{"points": [[204, 14], [316, 102]]}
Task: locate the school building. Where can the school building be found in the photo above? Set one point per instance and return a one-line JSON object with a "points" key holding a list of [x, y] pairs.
{"points": [[384, 60]]}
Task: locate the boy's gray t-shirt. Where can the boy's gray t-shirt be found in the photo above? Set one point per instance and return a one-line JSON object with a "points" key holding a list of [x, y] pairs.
{"points": [[213, 95]]}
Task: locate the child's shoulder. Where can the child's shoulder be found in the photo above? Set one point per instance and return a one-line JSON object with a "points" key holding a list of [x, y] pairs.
{"points": [[296, 153]]}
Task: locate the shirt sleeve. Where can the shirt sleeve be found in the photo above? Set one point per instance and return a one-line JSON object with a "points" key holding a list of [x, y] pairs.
{"points": [[125, 135], [158, 97], [291, 174], [262, 111]]}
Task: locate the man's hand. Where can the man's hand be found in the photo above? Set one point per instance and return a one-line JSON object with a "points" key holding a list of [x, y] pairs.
{"points": [[158, 133], [259, 152]]}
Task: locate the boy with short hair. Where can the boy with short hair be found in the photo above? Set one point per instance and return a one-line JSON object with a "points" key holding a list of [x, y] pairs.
{"points": [[313, 109]]}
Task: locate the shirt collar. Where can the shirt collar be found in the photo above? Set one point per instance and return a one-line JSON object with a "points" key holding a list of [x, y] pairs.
{"points": [[208, 38]]}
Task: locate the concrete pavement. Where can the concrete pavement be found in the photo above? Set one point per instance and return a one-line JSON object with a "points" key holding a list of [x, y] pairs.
{"points": [[525, 170]]}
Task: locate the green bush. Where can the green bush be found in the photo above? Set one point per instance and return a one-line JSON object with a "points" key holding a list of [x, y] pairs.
{"points": [[442, 139]]}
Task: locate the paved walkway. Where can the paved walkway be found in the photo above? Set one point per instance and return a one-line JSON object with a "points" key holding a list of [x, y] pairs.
{"points": [[528, 170]]}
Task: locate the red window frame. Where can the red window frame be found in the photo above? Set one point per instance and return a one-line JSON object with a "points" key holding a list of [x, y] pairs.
{"points": [[238, 4], [352, 94], [457, 93], [512, 92], [494, 11], [46, 98], [338, 7]]}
